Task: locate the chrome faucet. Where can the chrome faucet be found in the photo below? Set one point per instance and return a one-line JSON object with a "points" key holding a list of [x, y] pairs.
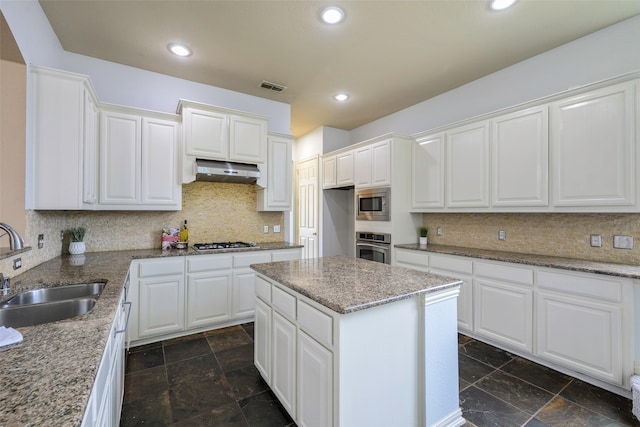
{"points": [[16, 241], [4, 282]]}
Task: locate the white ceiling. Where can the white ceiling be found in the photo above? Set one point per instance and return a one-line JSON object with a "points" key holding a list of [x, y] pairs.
{"points": [[387, 55]]}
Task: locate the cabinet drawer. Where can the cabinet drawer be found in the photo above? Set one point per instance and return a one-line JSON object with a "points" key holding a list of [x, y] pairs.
{"points": [[208, 262], [315, 323], [285, 255], [417, 258], [609, 289], [263, 289], [245, 260], [457, 265], [163, 267], [283, 302], [505, 273]]}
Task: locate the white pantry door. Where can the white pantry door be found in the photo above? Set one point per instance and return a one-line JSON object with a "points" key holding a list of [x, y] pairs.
{"points": [[307, 173]]}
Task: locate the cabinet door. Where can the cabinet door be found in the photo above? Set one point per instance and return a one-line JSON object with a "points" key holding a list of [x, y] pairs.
{"points": [[120, 144], [344, 169], [279, 185], [329, 169], [504, 313], [262, 340], [427, 172], [381, 163], [315, 383], [468, 166], [161, 305], [592, 148], [363, 167], [465, 298], [91, 139], [519, 146], [580, 334], [206, 134], [243, 293], [283, 380], [159, 162], [247, 139], [208, 298]]}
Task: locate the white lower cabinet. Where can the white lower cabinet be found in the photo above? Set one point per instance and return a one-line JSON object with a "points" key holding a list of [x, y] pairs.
{"points": [[578, 322], [262, 338], [177, 295], [283, 379], [105, 402], [315, 383]]}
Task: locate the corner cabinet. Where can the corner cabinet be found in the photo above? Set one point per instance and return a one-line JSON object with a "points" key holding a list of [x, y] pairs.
{"points": [[138, 161], [278, 193], [65, 139]]}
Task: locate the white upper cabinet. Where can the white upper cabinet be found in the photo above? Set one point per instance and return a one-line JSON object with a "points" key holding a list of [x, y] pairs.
{"points": [[277, 195], [220, 134], [519, 147], [427, 172], [593, 148], [329, 179], [344, 169], [65, 137], [468, 166], [138, 161], [373, 164]]}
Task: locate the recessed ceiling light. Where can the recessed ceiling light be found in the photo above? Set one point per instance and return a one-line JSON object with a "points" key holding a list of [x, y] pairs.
{"points": [[332, 15], [179, 49], [341, 97], [501, 4]]}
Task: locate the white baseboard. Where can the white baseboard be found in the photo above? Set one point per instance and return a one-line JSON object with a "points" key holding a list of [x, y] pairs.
{"points": [[452, 420]]}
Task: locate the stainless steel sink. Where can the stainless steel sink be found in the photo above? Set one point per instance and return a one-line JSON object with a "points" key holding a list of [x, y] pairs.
{"points": [[35, 314], [38, 296]]}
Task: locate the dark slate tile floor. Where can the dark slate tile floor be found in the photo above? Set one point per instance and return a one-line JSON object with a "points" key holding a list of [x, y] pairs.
{"points": [[208, 379]]}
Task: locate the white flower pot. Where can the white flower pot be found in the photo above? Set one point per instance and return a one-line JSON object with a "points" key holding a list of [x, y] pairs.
{"points": [[423, 241], [77, 248]]}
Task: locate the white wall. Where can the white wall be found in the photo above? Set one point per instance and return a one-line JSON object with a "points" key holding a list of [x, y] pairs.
{"points": [[120, 84], [607, 53]]}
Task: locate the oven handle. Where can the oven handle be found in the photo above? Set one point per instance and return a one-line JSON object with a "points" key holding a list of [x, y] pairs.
{"points": [[373, 246]]}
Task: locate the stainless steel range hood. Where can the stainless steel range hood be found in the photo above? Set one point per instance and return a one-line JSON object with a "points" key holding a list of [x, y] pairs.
{"points": [[218, 171]]}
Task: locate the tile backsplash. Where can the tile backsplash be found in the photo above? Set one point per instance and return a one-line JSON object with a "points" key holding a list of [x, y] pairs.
{"points": [[562, 235], [214, 212]]}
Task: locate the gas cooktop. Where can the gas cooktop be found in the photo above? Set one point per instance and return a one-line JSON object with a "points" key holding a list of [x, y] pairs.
{"points": [[205, 247]]}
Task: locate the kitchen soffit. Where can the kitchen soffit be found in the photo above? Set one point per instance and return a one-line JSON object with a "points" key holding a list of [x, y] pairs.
{"points": [[388, 55]]}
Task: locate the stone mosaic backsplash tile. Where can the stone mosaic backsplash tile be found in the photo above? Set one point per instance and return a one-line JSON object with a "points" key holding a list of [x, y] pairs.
{"points": [[562, 235]]}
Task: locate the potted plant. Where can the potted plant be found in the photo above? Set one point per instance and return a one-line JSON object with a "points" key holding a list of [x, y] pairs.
{"points": [[77, 245], [423, 235]]}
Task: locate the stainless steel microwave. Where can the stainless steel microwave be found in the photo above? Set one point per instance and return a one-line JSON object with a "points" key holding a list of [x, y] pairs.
{"points": [[373, 204]]}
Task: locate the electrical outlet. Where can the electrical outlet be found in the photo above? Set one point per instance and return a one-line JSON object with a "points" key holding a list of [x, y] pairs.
{"points": [[276, 228], [596, 240], [40, 241], [439, 231], [17, 263], [502, 235], [623, 242], [265, 229]]}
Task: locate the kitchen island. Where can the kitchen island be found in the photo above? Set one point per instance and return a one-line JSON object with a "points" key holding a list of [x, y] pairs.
{"points": [[348, 342]]}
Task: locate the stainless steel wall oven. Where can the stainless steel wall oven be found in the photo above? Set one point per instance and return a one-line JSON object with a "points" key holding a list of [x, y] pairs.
{"points": [[373, 246]]}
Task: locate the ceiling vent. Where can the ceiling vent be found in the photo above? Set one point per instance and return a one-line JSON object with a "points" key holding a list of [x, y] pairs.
{"points": [[272, 86]]}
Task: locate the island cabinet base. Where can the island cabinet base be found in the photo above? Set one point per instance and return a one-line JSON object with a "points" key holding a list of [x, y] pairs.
{"points": [[394, 364]]}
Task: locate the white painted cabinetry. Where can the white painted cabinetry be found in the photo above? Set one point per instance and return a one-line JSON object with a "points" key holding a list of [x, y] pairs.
{"points": [[467, 175], [373, 164], [177, 295], [344, 169], [65, 137], [278, 193], [462, 269], [329, 171], [427, 172], [205, 133], [519, 151], [593, 148], [138, 161], [247, 138]]}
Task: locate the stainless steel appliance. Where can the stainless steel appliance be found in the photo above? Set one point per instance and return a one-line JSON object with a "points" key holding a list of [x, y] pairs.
{"points": [[373, 204], [218, 171], [211, 247], [373, 246]]}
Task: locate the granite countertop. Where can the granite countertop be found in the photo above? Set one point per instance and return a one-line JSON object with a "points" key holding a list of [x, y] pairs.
{"points": [[347, 284], [49, 376], [611, 269]]}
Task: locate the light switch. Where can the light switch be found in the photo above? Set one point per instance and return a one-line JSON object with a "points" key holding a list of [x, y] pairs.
{"points": [[265, 229], [623, 242], [596, 240], [276, 228]]}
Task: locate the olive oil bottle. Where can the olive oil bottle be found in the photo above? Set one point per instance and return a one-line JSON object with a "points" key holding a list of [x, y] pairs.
{"points": [[184, 233]]}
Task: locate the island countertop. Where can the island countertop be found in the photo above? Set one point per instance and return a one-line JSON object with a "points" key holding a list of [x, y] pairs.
{"points": [[347, 284]]}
